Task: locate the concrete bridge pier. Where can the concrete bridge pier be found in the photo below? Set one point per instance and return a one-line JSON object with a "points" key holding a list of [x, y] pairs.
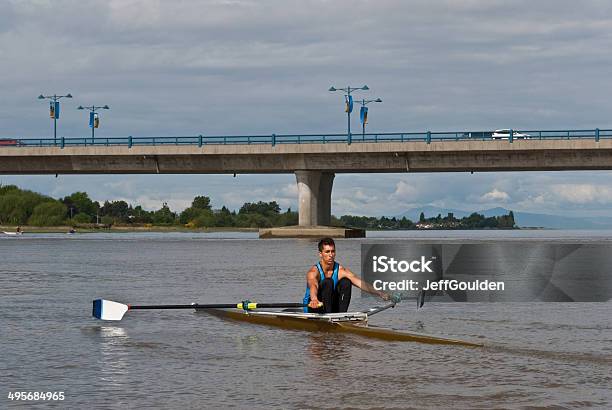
{"points": [[325, 190], [314, 197]]}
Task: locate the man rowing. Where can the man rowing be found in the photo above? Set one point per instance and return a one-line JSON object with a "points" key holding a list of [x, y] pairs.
{"points": [[330, 283]]}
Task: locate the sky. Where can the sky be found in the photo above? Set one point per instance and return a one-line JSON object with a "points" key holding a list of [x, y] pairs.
{"points": [[262, 67]]}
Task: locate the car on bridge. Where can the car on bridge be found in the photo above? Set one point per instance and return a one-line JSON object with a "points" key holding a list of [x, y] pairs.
{"points": [[504, 134], [10, 142]]}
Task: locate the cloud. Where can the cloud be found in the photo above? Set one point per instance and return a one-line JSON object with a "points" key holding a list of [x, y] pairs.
{"points": [[190, 67], [289, 190], [362, 196], [583, 193], [404, 192], [538, 203], [344, 205], [495, 196]]}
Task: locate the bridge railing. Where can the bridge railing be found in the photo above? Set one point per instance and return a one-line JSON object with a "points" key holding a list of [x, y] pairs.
{"points": [[273, 139]]}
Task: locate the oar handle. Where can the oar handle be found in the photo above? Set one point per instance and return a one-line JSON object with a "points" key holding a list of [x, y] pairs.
{"points": [[280, 305]]}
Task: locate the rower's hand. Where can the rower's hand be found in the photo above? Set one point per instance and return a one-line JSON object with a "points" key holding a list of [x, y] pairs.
{"points": [[315, 304], [393, 297]]}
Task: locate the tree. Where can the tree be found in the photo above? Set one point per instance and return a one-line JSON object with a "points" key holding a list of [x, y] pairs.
{"points": [[201, 202], [81, 204], [475, 220], [164, 216], [9, 189], [405, 223], [506, 221], [118, 210], [224, 217], [189, 214], [205, 219], [422, 217], [262, 208], [81, 218], [107, 220], [252, 220], [288, 218], [141, 216], [13, 210], [50, 213], [17, 206]]}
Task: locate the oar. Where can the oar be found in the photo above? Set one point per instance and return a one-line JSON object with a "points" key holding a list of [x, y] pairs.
{"points": [[109, 310], [421, 299]]}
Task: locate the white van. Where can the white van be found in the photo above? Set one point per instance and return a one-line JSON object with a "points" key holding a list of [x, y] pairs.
{"points": [[504, 134]]}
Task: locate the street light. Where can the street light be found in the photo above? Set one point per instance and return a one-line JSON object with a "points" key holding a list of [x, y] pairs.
{"points": [[363, 113], [349, 104], [94, 120], [54, 110]]}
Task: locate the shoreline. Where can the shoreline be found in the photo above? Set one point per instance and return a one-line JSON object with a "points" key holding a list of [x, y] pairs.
{"points": [[121, 229], [131, 229]]}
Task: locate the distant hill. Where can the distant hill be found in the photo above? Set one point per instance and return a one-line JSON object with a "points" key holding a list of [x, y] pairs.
{"points": [[522, 219]]}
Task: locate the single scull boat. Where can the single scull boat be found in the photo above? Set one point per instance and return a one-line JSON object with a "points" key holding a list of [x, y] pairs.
{"points": [[348, 322]]}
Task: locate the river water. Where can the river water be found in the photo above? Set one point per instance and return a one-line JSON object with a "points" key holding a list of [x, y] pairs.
{"points": [[535, 354]]}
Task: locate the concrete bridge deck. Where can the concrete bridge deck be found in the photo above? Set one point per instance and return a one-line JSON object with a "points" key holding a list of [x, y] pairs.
{"points": [[437, 156]]}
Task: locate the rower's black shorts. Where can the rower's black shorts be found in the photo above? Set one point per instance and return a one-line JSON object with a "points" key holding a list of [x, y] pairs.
{"points": [[334, 300]]}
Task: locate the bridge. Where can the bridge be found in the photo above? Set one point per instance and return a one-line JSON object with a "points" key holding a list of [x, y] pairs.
{"points": [[314, 159]]}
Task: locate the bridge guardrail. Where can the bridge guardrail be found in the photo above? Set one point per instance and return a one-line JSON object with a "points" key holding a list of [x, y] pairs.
{"points": [[274, 139]]}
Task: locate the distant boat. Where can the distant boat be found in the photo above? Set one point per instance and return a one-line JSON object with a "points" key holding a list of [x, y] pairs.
{"points": [[13, 233]]}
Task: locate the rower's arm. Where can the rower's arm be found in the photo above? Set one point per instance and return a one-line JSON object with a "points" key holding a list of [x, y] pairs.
{"points": [[361, 284], [312, 279]]}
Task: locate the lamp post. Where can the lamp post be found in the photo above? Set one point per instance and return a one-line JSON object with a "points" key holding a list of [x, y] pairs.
{"points": [[54, 110], [349, 104], [363, 114], [93, 117]]}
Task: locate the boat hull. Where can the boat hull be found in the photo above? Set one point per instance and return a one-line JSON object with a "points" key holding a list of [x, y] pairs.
{"points": [[321, 324]]}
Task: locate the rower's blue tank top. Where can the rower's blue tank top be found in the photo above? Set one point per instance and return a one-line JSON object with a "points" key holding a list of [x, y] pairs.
{"points": [[321, 278]]}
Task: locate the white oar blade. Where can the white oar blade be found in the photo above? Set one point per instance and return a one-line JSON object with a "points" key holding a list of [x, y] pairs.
{"points": [[108, 310]]}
